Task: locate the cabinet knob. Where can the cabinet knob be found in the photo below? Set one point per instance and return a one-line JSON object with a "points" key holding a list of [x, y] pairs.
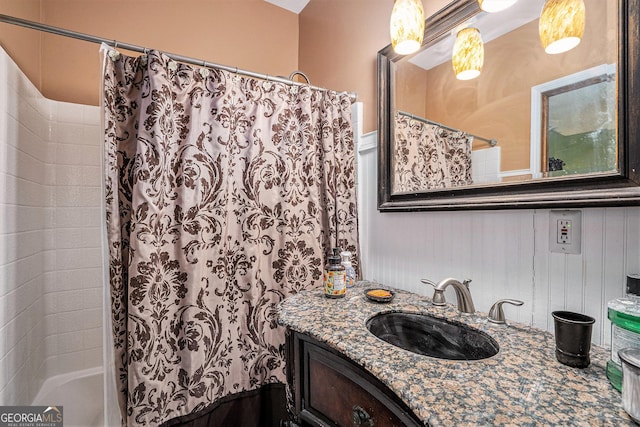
{"points": [[360, 417]]}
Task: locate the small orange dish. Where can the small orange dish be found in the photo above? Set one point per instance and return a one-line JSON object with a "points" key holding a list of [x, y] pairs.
{"points": [[379, 294]]}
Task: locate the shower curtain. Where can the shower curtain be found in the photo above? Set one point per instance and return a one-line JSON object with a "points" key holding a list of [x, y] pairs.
{"points": [[224, 194], [427, 156]]}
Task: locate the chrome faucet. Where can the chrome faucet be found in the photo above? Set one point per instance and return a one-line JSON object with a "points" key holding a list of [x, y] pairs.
{"points": [[463, 295]]}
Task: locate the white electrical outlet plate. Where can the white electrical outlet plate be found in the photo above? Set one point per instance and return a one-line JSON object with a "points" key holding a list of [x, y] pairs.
{"points": [[565, 232]]}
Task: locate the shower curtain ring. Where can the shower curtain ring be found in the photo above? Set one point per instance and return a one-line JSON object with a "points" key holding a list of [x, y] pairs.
{"points": [[115, 44], [299, 73]]}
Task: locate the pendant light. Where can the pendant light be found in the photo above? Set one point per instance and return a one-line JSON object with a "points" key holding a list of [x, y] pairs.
{"points": [[468, 54], [407, 26], [561, 25], [492, 6]]}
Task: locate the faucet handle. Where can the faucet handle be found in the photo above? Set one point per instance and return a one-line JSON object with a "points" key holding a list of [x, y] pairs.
{"points": [[438, 295], [428, 282], [496, 314]]}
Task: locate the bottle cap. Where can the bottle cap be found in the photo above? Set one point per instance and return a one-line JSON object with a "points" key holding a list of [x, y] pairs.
{"points": [[335, 258], [633, 284]]}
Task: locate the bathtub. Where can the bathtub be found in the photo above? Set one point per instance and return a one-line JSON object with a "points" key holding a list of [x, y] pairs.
{"points": [[80, 393]]}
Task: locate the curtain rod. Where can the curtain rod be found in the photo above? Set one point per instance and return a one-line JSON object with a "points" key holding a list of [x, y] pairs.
{"points": [[180, 58], [492, 142]]}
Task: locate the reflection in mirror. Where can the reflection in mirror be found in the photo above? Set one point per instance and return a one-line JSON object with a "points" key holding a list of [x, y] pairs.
{"points": [[579, 124], [496, 106], [533, 129]]}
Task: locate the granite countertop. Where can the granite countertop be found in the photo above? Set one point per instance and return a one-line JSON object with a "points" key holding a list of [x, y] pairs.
{"points": [[522, 385]]}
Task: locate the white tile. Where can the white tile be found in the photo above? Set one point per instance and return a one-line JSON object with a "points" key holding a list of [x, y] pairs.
{"points": [[22, 218], [8, 311], [78, 217], [11, 104], [50, 175], [29, 114], [69, 321], [4, 379], [70, 362], [93, 338], [92, 318], [69, 301], [46, 107], [49, 264], [51, 366], [66, 112], [68, 133], [93, 357], [78, 175], [15, 246], [13, 359], [4, 345], [8, 277], [51, 302], [72, 259], [70, 342], [91, 115], [49, 239], [26, 269], [69, 238], [84, 196], [92, 298], [51, 345], [93, 135], [18, 191], [79, 278], [76, 154]]}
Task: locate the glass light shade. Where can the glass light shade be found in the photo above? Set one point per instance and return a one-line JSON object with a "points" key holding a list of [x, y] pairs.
{"points": [[468, 54], [407, 26], [561, 25], [492, 6]]}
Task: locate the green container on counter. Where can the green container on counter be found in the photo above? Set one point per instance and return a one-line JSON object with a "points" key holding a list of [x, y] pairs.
{"points": [[624, 314]]}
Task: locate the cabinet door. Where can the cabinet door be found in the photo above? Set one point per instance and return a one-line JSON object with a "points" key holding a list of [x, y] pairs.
{"points": [[330, 389]]}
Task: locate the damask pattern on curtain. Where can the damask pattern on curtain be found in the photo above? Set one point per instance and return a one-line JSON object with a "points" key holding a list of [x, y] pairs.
{"points": [[428, 156], [224, 194]]}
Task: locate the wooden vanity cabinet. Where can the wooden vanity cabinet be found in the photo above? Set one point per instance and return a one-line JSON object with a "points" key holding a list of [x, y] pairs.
{"points": [[331, 390]]}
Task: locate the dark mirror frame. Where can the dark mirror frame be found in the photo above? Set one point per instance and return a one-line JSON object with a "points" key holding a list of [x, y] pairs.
{"points": [[619, 189]]}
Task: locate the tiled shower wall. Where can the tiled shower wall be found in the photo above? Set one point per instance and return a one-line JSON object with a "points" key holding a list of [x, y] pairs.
{"points": [[504, 252], [50, 262]]}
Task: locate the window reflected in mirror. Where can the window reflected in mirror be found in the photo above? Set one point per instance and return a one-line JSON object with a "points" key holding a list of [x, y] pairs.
{"points": [[579, 133]]}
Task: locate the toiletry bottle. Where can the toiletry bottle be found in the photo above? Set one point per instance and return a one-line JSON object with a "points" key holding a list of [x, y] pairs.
{"points": [[624, 314], [335, 277], [349, 270]]}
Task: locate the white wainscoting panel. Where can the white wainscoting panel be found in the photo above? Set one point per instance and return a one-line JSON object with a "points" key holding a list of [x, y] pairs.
{"points": [[504, 252]]}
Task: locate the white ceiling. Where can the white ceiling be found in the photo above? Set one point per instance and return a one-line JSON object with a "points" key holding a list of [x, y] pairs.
{"points": [[294, 6], [491, 26]]}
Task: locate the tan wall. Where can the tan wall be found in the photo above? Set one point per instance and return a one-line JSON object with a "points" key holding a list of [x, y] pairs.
{"points": [[339, 42], [411, 85], [249, 34], [21, 44]]}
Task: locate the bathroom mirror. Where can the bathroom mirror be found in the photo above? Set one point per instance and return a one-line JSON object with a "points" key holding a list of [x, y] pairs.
{"points": [[532, 130]]}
